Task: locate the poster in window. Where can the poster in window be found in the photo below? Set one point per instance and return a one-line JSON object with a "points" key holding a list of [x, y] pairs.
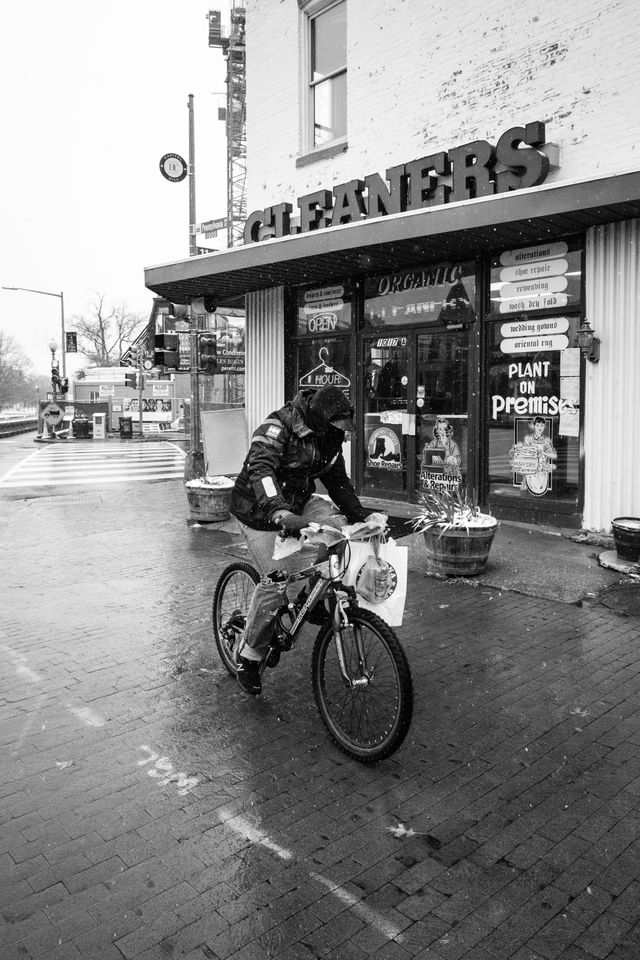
{"points": [[441, 458], [533, 455]]}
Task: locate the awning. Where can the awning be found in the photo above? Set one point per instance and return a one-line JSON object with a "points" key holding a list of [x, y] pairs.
{"points": [[457, 231]]}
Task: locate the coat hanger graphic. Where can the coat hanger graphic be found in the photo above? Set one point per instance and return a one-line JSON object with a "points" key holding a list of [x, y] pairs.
{"points": [[324, 373]]}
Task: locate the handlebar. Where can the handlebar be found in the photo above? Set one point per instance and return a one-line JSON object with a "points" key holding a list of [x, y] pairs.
{"points": [[317, 533]]}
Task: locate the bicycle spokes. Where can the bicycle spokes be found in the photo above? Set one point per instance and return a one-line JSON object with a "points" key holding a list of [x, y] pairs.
{"points": [[363, 686]]}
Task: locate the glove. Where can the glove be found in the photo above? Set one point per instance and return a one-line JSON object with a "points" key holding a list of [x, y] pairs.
{"points": [[291, 522]]}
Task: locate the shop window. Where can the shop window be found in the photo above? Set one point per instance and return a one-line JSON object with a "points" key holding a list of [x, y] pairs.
{"points": [[325, 362], [532, 280], [534, 377], [325, 73], [534, 410], [323, 311], [442, 294]]}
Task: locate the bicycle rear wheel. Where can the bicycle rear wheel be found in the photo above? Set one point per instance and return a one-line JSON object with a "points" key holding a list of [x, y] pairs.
{"points": [[369, 715], [231, 600]]}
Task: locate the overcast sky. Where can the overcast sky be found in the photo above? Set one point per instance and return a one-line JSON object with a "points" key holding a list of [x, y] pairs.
{"points": [[91, 96]]}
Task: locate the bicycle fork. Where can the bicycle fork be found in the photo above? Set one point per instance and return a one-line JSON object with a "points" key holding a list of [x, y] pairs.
{"points": [[340, 622]]}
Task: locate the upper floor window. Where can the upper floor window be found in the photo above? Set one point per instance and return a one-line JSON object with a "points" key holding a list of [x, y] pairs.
{"points": [[327, 74]]}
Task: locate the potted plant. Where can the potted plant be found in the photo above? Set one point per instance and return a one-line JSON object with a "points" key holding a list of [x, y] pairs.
{"points": [[457, 534], [209, 498]]}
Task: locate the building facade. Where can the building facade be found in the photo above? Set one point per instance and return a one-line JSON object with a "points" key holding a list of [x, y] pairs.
{"points": [[445, 222]]}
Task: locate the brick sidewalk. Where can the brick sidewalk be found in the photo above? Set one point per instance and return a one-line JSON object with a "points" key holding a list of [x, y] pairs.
{"points": [[149, 810]]}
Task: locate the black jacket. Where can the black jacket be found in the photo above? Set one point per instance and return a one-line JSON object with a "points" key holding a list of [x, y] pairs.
{"points": [[285, 458]]}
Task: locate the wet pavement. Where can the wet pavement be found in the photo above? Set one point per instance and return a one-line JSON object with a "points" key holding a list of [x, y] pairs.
{"points": [[150, 810]]}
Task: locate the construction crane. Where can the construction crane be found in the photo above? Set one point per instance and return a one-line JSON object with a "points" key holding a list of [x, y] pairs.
{"points": [[233, 49]]}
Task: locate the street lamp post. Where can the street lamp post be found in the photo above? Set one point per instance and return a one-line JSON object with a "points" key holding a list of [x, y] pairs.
{"points": [[47, 293]]}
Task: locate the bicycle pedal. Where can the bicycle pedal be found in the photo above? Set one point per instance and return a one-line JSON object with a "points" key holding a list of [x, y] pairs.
{"points": [[273, 657]]}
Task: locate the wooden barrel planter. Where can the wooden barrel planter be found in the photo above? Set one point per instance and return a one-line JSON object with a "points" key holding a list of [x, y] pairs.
{"points": [[459, 551], [626, 536], [208, 504]]}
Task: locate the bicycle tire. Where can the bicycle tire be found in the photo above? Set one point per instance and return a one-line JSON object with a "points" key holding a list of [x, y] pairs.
{"points": [[368, 723], [231, 599]]}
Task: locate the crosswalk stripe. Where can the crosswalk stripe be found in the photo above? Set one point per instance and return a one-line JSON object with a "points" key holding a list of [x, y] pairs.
{"points": [[115, 479], [56, 470], [64, 465]]}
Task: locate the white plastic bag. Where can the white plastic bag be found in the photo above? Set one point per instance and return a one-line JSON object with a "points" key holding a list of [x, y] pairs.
{"points": [[391, 609]]}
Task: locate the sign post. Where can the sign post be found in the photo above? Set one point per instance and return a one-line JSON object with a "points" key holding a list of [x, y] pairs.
{"points": [[194, 461]]}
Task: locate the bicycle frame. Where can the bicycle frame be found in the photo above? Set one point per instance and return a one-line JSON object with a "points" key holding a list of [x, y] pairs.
{"points": [[340, 618]]}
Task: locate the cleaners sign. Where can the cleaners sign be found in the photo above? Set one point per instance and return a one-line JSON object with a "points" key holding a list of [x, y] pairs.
{"points": [[520, 158]]}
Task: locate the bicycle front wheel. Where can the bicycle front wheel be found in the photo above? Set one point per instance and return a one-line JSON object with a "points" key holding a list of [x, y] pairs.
{"points": [[368, 708], [231, 600]]}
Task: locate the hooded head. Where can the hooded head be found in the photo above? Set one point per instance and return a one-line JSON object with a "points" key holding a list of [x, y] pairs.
{"points": [[329, 405]]}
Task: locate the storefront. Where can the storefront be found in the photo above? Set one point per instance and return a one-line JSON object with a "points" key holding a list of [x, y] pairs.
{"points": [[454, 329], [463, 374]]}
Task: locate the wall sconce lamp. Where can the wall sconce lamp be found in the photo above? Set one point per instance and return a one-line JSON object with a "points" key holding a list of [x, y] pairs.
{"points": [[589, 344]]}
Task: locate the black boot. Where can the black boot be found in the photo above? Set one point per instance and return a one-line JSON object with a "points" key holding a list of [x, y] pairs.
{"points": [[248, 676]]}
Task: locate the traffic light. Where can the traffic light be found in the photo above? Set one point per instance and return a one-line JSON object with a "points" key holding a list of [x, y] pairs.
{"points": [[130, 379], [63, 385], [180, 311], [207, 351], [166, 350]]}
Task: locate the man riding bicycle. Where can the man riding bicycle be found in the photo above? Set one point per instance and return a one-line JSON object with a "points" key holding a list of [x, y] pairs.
{"points": [[295, 446]]}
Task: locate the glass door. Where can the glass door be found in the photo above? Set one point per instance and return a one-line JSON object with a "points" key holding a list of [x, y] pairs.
{"points": [[386, 449], [416, 413], [442, 410]]}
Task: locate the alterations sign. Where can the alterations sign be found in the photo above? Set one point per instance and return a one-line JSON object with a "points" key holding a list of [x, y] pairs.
{"points": [[542, 277]]}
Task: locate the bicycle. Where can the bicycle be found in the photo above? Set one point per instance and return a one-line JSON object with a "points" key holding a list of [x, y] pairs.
{"points": [[359, 671]]}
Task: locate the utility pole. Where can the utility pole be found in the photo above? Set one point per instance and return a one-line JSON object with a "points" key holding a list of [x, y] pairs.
{"points": [[192, 180], [140, 359]]}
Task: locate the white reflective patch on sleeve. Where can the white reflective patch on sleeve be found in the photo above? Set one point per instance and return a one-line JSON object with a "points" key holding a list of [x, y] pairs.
{"points": [[269, 487]]}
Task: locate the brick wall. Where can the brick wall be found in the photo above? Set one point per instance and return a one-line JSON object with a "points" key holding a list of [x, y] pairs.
{"points": [[428, 76]]}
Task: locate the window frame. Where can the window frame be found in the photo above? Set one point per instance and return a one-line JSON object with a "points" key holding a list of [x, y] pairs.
{"points": [[310, 10]]}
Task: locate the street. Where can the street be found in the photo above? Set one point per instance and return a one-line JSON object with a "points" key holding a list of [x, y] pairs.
{"points": [[150, 810], [61, 463]]}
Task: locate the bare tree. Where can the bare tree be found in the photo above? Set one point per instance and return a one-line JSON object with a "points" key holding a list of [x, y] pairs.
{"points": [[106, 331], [15, 370]]}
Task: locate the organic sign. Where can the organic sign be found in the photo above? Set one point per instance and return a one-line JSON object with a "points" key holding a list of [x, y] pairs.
{"points": [[443, 293]]}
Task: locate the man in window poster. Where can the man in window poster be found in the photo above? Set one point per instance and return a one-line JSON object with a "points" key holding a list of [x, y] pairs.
{"points": [[532, 455]]}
